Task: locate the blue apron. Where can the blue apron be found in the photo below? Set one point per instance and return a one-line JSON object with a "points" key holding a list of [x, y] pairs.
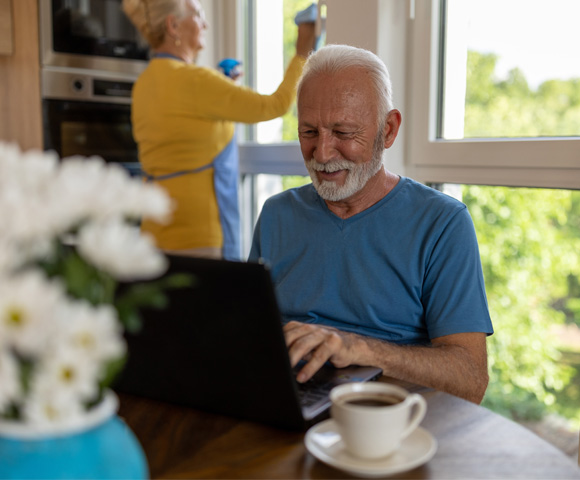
{"points": [[225, 178]]}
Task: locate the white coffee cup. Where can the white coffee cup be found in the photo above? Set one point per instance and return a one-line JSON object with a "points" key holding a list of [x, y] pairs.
{"points": [[374, 417]]}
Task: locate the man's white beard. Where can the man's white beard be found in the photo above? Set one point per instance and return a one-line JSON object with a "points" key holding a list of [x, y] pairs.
{"points": [[356, 178]]}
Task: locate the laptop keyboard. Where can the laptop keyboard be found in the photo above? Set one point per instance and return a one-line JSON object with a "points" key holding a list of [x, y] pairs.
{"points": [[316, 388]]}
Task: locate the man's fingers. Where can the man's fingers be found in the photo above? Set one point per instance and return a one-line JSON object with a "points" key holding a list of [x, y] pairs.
{"points": [[302, 343], [311, 367], [293, 330], [312, 343]]}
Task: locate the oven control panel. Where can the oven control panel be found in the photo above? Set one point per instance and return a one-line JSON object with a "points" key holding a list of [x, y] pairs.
{"points": [[90, 86]]}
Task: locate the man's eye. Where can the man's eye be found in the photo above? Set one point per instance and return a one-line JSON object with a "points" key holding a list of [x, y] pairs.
{"points": [[308, 133]]}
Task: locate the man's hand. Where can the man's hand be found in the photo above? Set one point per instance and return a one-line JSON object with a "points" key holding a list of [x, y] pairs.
{"points": [[317, 344], [455, 363]]}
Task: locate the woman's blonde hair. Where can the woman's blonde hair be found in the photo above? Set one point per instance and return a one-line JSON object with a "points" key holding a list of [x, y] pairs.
{"points": [[149, 16]]}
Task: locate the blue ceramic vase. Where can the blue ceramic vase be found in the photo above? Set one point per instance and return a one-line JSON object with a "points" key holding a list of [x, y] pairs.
{"points": [[100, 447]]}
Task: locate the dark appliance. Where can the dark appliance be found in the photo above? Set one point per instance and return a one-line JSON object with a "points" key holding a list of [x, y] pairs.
{"points": [[88, 113], [90, 34]]}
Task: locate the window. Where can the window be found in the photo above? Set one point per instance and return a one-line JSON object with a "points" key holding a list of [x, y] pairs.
{"points": [[451, 139], [269, 151], [269, 39], [484, 114], [517, 65]]}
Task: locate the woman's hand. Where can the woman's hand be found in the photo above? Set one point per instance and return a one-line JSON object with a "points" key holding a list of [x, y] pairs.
{"points": [[306, 39]]}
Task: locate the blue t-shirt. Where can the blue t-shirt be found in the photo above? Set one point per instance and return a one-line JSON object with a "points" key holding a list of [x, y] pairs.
{"points": [[405, 270]]}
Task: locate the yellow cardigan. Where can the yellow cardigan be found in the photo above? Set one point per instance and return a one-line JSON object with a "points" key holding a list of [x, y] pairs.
{"points": [[183, 116]]}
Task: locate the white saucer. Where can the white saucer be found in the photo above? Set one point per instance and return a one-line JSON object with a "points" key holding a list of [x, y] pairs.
{"points": [[324, 442]]}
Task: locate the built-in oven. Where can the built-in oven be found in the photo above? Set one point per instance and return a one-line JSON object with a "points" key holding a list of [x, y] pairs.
{"points": [[90, 57], [87, 113], [90, 34]]}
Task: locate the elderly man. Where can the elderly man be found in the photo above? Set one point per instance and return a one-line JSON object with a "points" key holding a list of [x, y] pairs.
{"points": [[371, 268]]}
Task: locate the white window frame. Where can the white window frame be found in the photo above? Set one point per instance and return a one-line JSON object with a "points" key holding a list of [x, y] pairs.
{"points": [[406, 34], [538, 162]]}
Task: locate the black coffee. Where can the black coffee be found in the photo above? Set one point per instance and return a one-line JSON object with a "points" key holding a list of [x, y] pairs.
{"points": [[370, 400]]}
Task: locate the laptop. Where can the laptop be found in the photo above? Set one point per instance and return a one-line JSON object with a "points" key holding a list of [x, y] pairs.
{"points": [[219, 347]]}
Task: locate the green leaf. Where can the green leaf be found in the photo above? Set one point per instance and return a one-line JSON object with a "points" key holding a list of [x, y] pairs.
{"points": [[112, 369]]}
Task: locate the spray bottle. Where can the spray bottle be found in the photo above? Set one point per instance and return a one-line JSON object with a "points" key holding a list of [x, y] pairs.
{"points": [[230, 67]]}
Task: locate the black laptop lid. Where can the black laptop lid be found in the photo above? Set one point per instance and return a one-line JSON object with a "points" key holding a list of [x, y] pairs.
{"points": [[218, 346]]}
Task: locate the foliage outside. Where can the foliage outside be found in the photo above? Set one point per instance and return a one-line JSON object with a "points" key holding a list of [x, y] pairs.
{"points": [[510, 108], [530, 243]]}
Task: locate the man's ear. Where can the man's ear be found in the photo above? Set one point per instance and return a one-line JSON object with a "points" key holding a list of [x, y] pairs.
{"points": [[392, 125]]}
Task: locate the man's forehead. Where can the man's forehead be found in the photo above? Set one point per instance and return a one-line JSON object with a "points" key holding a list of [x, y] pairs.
{"points": [[353, 83], [340, 106]]}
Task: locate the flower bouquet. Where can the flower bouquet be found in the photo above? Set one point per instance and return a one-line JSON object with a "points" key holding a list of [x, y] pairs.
{"points": [[68, 237]]}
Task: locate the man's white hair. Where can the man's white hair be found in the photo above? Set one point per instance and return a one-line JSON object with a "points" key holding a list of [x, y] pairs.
{"points": [[332, 59]]}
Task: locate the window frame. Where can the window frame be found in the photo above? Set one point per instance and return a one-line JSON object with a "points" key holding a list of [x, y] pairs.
{"points": [[531, 162]]}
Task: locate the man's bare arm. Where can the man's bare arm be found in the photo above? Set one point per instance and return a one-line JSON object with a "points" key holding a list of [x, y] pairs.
{"points": [[455, 363]]}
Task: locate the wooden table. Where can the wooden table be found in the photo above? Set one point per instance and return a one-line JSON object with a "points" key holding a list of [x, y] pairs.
{"points": [[473, 443]]}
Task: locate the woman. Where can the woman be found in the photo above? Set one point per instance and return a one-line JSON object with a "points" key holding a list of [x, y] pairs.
{"points": [[183, 122]]}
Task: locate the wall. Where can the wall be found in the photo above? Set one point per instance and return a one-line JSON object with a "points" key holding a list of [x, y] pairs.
{"points": [[353, 23], [20, 104]]}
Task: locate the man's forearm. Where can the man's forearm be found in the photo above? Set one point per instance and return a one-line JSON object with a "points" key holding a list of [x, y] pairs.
{"points": [[456, 364]]}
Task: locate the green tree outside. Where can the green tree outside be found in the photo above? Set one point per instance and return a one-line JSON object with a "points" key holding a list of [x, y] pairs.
{"points": [[529, 241], [509, 108]]}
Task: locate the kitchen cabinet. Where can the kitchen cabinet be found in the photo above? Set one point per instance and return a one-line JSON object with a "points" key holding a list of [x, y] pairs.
{"points": [[6, 42], [20, 101]]}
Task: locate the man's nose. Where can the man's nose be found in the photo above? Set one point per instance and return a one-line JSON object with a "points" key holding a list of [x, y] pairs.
{"points": [[324, 151]]}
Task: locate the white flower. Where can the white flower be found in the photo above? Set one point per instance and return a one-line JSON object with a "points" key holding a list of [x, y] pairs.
{"points": [[29, 307], [26, 180], [91, 184], [9, 380], [120, 250], [67, 371], [9, 158], [94, 332], [10, 255], [51, 407], [29, 172], [52, 197], [83, 205], [14, 255], [148, 200], [101, 191]]}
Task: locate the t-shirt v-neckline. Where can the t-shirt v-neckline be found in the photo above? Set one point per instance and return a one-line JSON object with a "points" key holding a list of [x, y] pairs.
{"points": [[342, 223]]}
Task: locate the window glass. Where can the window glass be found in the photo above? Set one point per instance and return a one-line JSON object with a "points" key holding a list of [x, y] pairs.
{"points": [[275, 46], [511, 69], [267, 54]]}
